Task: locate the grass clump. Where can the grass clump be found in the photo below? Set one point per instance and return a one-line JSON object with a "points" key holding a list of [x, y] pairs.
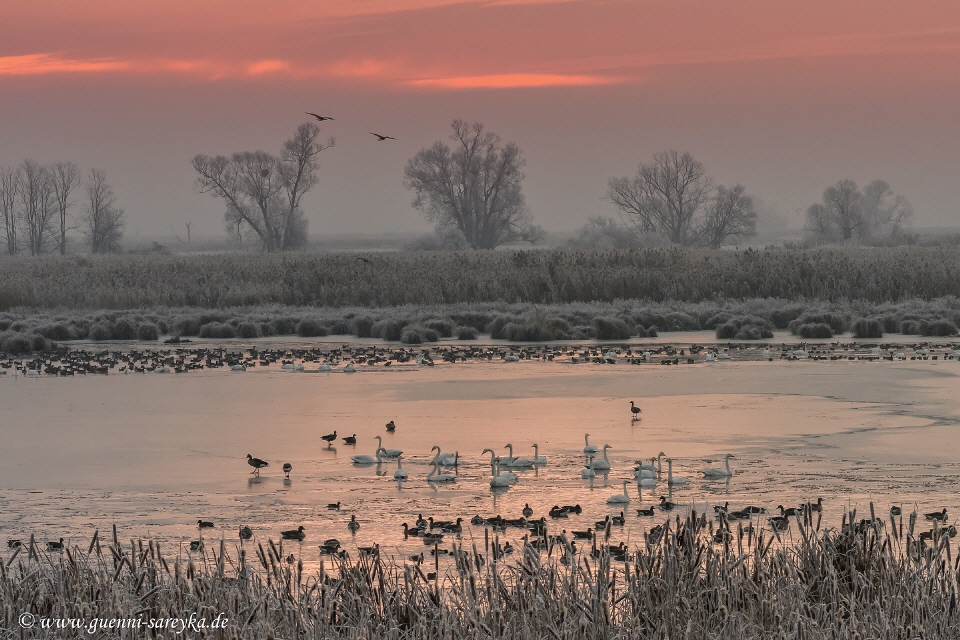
{"points": [[310, 328], [939, 327], [814, 330], [867, 328], [748, 328], [123, 329], [148, 331], [362, 326], [217, 330], [466, 333], [249, 330], [101, 331], [607, 328], [390, 330]]}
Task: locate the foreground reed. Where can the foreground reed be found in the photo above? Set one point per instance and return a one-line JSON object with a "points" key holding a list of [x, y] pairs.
{"points": [[865, 580]]}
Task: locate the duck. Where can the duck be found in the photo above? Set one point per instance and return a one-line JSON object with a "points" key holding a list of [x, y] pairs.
{"points": [[476, 520], [619, 520], [937, 515], [400, 473], [815, 506], [601, 465], [294, 534], [350, 439], [635, 410], [421, 522], [436, 477], [527, 511], [672, 479], [330, 437], [287, 468], [257, 464], [246, 533], [353, 525], [387, 453], [589, 449], [620, 498], [792, 511], [719, 473], [391, 427], [55, 546], [196, 545], [583, 535], [411, 531], [645, 512], [896, 511], [202, 524], [334, 506], [13, 544], [666, 505]]}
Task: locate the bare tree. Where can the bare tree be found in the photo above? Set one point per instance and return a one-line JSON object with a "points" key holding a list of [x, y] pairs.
{"points": [[849, 214], [9, 189], [730, 215], [65, 177], [37, 204], [102, 219], [666, 196], [475, 187], [263, 191]]}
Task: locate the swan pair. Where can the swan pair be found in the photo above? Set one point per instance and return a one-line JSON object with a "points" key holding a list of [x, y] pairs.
{"points": [[380, 454], [445, 459], [516, 463], [436, 477], [495, 471], [499, 481]]}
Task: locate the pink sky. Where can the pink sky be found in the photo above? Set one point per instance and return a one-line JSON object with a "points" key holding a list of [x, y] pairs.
{"points": [[785, 97]]}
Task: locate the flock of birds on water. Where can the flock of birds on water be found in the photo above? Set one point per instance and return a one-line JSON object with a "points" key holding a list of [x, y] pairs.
{"points": [[349, 358]]}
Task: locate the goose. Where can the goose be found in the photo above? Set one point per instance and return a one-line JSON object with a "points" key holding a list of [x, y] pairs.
{"points": [[246, 533], [618, 520], [537, 458], [400, 473], [719, 473], [367, 459], [635, 410], [387, 453], [589, 448], [896, 511], [381, 138], [522, 463], [353, 525], [503, 474], [195, 545], [435, 476], [334, 506], [583, 535], [421, 522], [792, 511], [330, 437], [498, 480], [476, 520], [294, 534], [672, 479], [815, 506], [937, 515], [602, 465], [588, 472], [257, 464], [13, 544], [527, 511], [391, 427], [287, 468], [620, 498], [55, 546], [779, 523], [410, 531], [350, 439], [319, 118], [202, 524], [445, 459], [645, 512], [666, 505]]}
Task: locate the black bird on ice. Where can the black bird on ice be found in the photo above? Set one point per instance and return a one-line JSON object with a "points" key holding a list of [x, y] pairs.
{"points": [[257, 464]]}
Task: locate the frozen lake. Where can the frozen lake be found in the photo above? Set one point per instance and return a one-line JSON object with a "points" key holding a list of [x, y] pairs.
{"points": [[155, 453]]}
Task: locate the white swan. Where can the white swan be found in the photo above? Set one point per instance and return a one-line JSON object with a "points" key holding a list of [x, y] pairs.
{"points": [[537, 458], [523, 463], [350, 368], [365, 459], [719, 473], [387, 453], [654, 463], [498, 480], [588, 472], [445, 459], [647, 482], [324, 367], [602, 465], [672, 479], [620, 498], [435, 476], [643, 473], [589, 448], [400, 473], [509, 475]]}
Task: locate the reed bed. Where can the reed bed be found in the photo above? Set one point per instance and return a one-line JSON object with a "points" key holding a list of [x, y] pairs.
{"points": [[431, 278], [867, 579]]}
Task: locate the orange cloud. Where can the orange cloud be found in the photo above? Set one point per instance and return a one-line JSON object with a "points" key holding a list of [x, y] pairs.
{"points": [[513, 80], [44, 63], [267, 66]]}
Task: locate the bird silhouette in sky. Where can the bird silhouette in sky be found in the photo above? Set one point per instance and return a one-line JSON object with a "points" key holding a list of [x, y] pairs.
{"points": [[381, 138], [320, 118]]}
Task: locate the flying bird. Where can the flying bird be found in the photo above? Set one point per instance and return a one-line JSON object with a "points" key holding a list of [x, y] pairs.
{"points": [[381, 138], [319, 118]]}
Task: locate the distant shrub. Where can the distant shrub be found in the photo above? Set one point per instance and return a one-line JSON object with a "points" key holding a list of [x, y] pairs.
{"points": [[248, 330], [123, 329], [679, 321], [940, 327], [162, 326], [362, 326], [101, 331], [57, 331], [652, 332], [286, 326], [815, 330], [497, 325], [416, 334], [5, 324], [727, 330], [148, 331], [717, 319], [443, 326], [187, 326], [606, 328], [867, 328], [910, 328], [640, 331], [339, 328], [836, 322], [217, 330], [266, 329], [653, 319], [782, 317], [890, 323], [15, 343], [39, 343], [466, 333], [745, 328], [311, 328], [390, 330]]}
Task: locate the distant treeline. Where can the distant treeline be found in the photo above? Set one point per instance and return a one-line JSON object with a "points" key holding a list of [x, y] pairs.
{"points": [[431, 278]]}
